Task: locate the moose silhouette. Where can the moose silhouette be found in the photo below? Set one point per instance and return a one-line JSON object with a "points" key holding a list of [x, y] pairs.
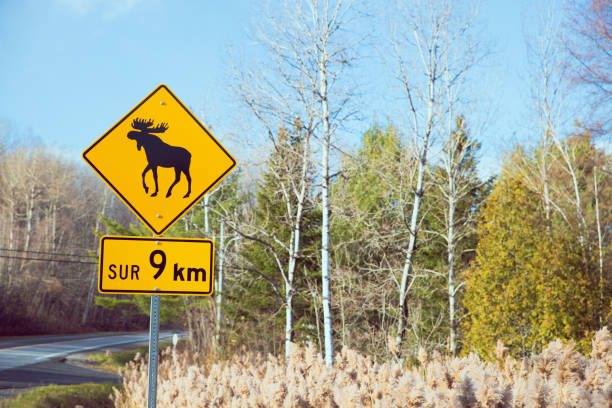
{"points": [[160, 154]]}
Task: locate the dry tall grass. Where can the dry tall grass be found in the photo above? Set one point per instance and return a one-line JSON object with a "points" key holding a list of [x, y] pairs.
{"points": [[558, 377]]}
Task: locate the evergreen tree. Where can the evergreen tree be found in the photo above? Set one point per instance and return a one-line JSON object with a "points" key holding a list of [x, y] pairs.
{"points": [[455, 199], [369, 235], [258, 294], [526, 287]]}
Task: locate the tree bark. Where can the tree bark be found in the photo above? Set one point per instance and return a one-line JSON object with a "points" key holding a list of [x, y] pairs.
{"points": [[325, 272], [219, 291], [408, 269], [600, 247], [451, 268]]}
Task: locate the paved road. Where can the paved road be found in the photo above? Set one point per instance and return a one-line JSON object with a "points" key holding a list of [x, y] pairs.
{"points": [[26, 362], [6, 342]]}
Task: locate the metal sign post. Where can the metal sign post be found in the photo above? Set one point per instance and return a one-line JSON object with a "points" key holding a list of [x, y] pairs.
{"points": [[153, 350]]}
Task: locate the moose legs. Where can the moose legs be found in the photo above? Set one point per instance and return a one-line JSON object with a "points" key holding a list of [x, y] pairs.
{"points": [[188, 181], [143, 179], [144, 184], [177, 177]]}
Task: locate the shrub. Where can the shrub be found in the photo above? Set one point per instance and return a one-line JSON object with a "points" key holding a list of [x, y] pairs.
{"points": [[559, 376]]}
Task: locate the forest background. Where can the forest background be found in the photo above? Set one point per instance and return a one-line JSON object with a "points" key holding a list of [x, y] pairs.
{"points": [[393, 243]]}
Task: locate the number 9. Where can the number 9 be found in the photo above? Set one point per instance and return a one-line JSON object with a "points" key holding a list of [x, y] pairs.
{"points": [[160, 266]]}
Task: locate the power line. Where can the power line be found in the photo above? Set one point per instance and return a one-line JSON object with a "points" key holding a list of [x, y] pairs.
{"points": [[44, 253], [48, 260], [76, 247]]}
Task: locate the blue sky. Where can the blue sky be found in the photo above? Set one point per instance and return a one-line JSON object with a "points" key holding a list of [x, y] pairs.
{"points": [[71, 68]]}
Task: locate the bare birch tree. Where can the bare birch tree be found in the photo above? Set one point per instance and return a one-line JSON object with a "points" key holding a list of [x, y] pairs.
{"points": [[306, 40], [588, 42], [547, 81], [558, 170], [552, 103], [600, 249], [458, 188], [424, 41], [291, 171]]}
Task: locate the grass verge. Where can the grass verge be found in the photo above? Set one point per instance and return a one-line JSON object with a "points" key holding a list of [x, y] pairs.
{"points": [[64, 396], [113, 361]]}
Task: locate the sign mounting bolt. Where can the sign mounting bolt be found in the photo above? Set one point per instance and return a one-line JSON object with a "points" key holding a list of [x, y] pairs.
{"points": [[162, 103], [156, 289], [157, 242], [158, 215]]}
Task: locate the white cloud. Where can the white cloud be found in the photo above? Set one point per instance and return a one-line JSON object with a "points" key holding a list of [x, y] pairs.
{"points": [[108, 9]]}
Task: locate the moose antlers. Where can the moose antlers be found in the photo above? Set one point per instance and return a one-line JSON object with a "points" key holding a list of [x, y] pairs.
{"points": [[144, 125]]}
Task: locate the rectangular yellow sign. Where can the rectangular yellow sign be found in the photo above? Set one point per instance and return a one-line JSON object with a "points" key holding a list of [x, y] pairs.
{"points": [[156, 266]]}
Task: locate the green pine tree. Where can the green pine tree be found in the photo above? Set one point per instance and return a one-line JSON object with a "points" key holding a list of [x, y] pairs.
{"points": [[256, 298], [368, 233], [457, 188]]}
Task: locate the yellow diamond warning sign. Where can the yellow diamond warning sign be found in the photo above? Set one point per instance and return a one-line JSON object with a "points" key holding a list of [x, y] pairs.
{"points": [[156, 266], [159, 159]]}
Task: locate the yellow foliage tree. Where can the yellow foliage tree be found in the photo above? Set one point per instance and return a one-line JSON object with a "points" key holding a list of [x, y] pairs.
{"points": [[526, 287]]}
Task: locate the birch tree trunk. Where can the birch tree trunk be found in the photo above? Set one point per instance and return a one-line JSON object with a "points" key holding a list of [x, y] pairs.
{"points": [[219, 290], [457, 192], [30, 198], [437, 36], [427, 41], [451, 268], [11, 246], [549, 83], [206, 207], [295, 242], [325, 272], [306, 41], [408, 270], [601, 282]]}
